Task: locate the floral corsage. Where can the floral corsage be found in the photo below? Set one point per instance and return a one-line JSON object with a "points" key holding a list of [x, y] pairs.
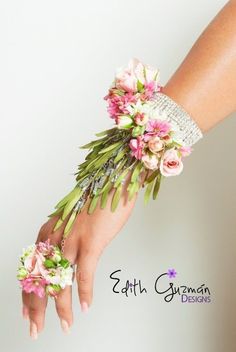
{"points": [[44, 270]]}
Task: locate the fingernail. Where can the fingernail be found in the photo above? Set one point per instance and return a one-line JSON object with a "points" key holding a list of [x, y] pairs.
{"points": [[84, 307], [25, 313], [33, 330], [65, 326]]}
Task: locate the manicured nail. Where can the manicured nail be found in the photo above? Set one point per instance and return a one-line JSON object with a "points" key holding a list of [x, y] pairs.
{"points": [[65, 326], [33, 330], [25, 313], [84, 307]]}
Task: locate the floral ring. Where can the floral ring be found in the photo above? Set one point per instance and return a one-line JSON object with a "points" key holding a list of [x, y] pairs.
{"points": [[44, 270]]}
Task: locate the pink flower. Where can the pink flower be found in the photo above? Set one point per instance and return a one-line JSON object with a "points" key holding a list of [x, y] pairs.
{"points": [[127, 82], [156, 128], [128, 78], [150, 161], [35, 285], [38, 267], [141, 119], [44, 247], [155, 144], [136, 145], [185, 151], [34, 263], [117, 104], [171, 164]]}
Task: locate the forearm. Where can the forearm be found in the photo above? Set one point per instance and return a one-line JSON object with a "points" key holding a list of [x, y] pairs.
{"points": [[205, 82]]}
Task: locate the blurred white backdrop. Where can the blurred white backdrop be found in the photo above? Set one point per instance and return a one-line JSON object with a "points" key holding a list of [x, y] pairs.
{"points": [[57, 60]]}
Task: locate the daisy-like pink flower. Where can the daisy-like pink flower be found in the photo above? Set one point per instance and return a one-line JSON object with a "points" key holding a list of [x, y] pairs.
{"points": [[136, 145], [34, 285], [156, 127]]}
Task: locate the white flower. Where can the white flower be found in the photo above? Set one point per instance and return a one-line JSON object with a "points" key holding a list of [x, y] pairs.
{"points": [[66, 277]]}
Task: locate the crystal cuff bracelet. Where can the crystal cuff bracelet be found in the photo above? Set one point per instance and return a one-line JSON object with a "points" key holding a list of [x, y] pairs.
{"points": [[151, 137], [175, 113]]}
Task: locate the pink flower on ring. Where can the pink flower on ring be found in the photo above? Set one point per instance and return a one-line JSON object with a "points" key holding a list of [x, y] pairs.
{"points": [[171, 164], [136, 145], [156, 128], [34, 285]]}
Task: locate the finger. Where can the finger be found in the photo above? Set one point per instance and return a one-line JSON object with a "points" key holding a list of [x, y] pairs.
{"points": [[86, 267], [64, 308], [25, 304], [63, 301], [37, 309]]}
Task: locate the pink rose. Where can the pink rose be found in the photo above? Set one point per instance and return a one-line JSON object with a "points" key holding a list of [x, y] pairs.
{"points": [[150, 161], [155, 144], [126, 80], [34, 264], [171, 164]]}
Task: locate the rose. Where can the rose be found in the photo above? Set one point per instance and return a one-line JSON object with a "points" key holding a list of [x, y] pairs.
{"points": [[126, 80], [155, 144], [150, 161], [33, 263], [171, 164]]}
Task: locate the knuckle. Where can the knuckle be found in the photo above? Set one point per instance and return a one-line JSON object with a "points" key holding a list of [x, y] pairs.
{"points": [[61, 310], [83, 276], [33, 310]]}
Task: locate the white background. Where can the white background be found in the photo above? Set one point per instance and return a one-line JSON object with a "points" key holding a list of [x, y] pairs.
{"points": [[57, 60]]}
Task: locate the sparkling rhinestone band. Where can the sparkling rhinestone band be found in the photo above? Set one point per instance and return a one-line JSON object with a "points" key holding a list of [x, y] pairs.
{"points": [[190, 130]]}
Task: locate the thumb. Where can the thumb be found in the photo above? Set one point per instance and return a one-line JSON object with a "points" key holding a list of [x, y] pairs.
{"points": [[86, 266]]}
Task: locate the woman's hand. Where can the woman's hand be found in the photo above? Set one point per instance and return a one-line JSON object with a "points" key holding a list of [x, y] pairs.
{"points": [[84, 245]]}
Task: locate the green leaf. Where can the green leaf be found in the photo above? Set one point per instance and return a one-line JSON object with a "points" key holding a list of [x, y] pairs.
{"points": [[111, 147], [156, 186], [148, 192], [93, 143], [70, 223], [151, 177], [132, 189], [58, 224], [140, 86], [116, 198], [120, 155], [121, 178], [56, 212], [93, 204], [48, 263], [71, 203], [136, 171], [65, 199], [104, 196], [136, 131], [64, 263], [106, 132]]}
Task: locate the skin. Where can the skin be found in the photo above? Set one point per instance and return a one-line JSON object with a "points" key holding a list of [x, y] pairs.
{"points": [[205, 85]]}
